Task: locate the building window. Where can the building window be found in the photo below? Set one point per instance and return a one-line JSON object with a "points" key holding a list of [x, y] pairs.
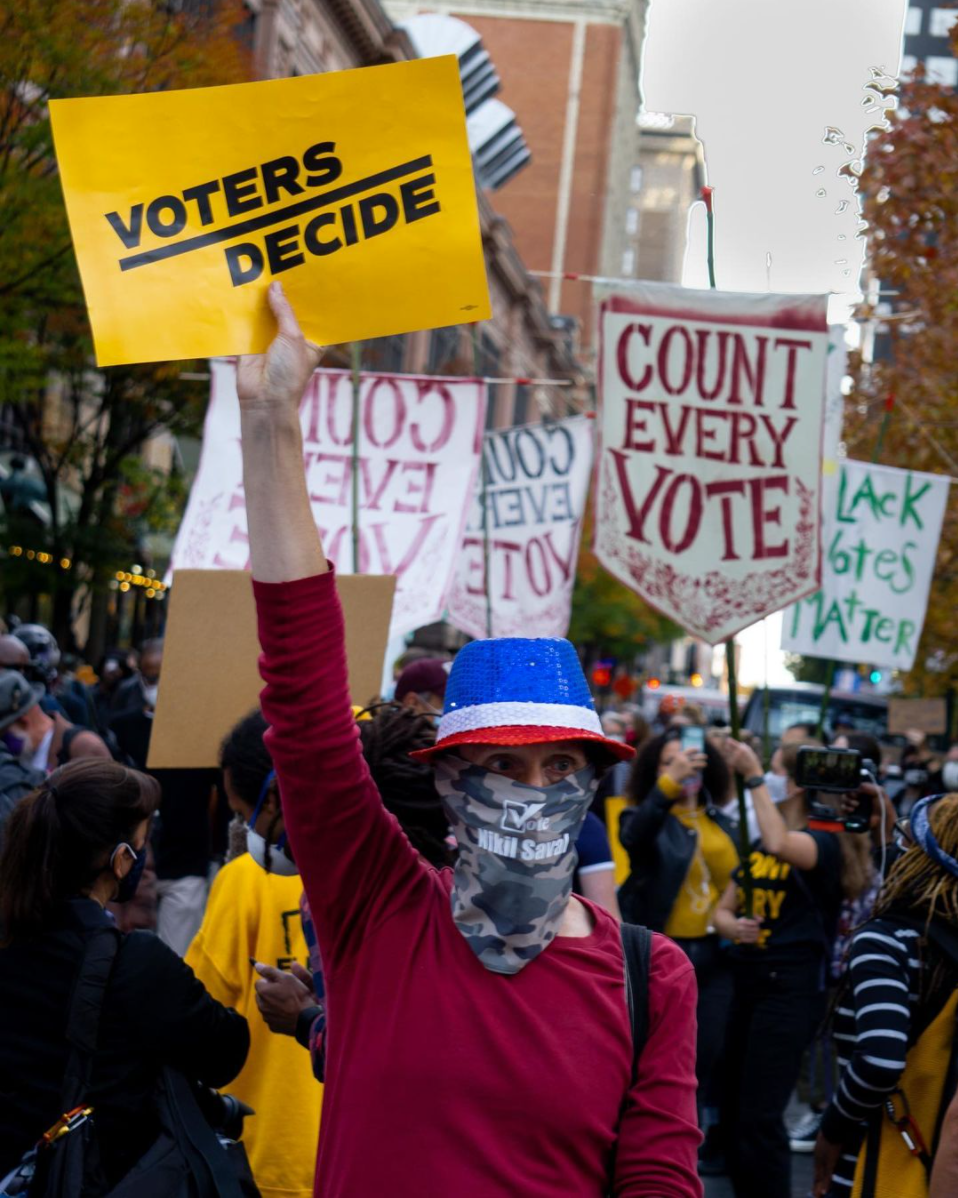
{"points": [[941, 21], [628, 263], [384, 354], [520, 409], [632, 220], [635, 179], [908, 64], [942, 70], [913, 21], [444, 350], [488, 365]]}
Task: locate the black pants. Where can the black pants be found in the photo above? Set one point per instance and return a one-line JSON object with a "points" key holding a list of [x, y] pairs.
{"points": [[775, 1010], [714, 977]]}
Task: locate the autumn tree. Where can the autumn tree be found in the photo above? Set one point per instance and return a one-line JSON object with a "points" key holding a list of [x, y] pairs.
{"points": [[905, 405], [608, 618], [84, 427]]}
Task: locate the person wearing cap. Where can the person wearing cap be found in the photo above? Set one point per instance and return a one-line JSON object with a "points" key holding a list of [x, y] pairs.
{"points": [[422, 686], [16, 778], [480, 1040], [40, 741]]}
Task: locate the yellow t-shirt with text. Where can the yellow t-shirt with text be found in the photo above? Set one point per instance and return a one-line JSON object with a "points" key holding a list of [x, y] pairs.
{"points": [[710, 872], [254, 914]]}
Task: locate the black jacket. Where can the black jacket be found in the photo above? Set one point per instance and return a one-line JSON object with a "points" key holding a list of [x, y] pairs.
{"points": [[155, 1013], [660, 849]]}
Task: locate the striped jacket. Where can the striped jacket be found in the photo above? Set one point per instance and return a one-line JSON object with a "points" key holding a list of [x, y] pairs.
{"points": [[876, 1022]]}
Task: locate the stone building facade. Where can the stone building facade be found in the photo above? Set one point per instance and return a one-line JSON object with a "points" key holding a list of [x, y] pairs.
{"points": [[570, 71], [295, 37]]}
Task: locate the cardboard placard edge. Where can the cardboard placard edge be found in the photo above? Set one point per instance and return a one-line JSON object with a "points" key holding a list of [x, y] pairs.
{"points": [[210, 676]]}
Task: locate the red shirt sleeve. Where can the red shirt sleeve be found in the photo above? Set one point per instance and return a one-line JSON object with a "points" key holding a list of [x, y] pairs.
{"points": [[657, 1153], [354, 859]]}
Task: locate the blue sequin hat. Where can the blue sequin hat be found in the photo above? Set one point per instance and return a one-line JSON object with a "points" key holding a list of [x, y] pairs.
{"points": [[519, 691]]}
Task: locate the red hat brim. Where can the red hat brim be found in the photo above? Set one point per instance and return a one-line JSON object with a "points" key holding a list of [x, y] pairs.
{"points": [[524, 734]]}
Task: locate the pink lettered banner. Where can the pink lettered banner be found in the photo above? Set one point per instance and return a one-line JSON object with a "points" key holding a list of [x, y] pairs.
{"points": [[536, 486], [708, 488], [419, 448]]}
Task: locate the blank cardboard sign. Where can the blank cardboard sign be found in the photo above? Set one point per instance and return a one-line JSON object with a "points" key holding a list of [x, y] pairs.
{"points": [[210, 675], [922, 715]]}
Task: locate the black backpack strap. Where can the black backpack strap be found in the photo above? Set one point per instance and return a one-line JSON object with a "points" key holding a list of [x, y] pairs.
{"points": [[637, 947], [86, 1006]]}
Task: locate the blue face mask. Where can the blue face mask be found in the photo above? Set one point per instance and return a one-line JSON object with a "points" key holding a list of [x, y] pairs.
{"points": [[128, 884]]}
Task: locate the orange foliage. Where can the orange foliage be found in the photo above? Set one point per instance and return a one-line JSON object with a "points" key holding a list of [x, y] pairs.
{"points": [[910, 190]]}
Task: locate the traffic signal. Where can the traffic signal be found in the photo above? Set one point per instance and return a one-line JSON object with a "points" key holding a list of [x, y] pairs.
{"points": [[653, 684], [697, 680], [875, 677], [602, 676]]}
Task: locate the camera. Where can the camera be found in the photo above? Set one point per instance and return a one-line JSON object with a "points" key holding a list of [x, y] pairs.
{"points": [[223, 1112], [833, 773]]}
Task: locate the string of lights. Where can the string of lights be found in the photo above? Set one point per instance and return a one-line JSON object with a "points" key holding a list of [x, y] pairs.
{"points": [[123, 580]]}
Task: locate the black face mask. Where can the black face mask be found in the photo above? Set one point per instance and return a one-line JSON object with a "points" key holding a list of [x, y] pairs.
{"points": [[128, 885]]}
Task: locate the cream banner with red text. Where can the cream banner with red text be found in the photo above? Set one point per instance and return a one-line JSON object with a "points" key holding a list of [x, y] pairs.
{"points": [[536, 485], [709, 473], [419, 447]]}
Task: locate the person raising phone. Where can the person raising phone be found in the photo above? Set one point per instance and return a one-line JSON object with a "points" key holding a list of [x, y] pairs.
{"points": [[682, 854], [780, 955]]}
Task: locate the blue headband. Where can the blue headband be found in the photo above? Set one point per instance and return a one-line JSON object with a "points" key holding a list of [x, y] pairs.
{"points": [[264, 791], [924, 837]]}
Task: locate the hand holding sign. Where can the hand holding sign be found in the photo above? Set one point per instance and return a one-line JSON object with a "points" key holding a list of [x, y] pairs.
{"points": [[278, 378], [183, 206]]}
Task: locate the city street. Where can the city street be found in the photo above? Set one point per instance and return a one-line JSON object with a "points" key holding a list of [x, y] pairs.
{"points": [[721, 1187], [478, 556]]}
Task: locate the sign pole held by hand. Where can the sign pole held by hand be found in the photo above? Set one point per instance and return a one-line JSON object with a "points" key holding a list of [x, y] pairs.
{"points": [[730, 643], [356, 350], [484, 499]]}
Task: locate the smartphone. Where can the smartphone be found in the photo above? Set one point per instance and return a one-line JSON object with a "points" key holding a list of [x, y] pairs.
{"points": [[827, 774], [835, 770], [693, 740]]}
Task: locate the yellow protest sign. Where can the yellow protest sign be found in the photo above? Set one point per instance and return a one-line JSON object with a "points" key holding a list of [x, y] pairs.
{"points": [[354, 188]]}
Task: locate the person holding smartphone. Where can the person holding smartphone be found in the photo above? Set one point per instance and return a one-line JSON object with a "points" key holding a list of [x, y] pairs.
{"points": [[780, 960], [682, 854]]}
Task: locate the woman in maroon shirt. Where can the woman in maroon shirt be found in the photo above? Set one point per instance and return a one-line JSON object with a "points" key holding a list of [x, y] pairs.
{"points": [[479, 1037]]}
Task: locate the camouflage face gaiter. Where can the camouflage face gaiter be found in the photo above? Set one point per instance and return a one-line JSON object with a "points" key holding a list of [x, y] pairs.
{"points": [[517, 856]]}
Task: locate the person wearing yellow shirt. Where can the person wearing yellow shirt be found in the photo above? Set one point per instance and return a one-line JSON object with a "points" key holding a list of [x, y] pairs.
{"points": [[254, 912], [681, 855]]}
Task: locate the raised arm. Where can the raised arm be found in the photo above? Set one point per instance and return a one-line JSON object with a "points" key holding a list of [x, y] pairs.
{"points": [[797, 848], [355, 862], [284, 543], [639, 825]]}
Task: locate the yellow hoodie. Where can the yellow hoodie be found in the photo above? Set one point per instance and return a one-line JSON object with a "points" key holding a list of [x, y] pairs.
{"points": [[254, 914]]}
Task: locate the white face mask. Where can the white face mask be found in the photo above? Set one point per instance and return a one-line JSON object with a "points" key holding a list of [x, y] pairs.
{"points": [[279, 863], [949, 775], [150, 693], [777, 786]]}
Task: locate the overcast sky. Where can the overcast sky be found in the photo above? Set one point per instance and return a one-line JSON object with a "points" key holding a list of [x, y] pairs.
{"points": [[764, 78]]}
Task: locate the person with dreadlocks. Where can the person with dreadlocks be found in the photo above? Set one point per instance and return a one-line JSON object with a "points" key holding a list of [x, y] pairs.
{"points": [[894, 1023], [292, 1004], [543, 1085], [253, 912]]}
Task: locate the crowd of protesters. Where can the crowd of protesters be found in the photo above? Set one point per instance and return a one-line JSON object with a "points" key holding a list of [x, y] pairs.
{"points": [[395, 939]]}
